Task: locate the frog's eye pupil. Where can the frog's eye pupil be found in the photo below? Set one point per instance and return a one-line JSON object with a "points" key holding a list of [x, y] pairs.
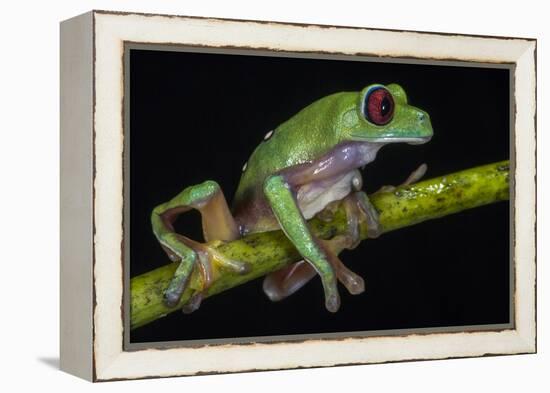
{"points": [[385, 107], [378, 106]]}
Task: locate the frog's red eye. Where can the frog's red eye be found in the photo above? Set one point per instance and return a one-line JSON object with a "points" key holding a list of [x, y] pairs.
{"points": [[378, 106]]}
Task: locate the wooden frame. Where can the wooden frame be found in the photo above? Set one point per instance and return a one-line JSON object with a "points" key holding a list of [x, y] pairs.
{"points": [[92, 193]]}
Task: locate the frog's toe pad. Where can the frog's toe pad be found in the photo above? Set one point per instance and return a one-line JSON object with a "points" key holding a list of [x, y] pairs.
{"points": [[355, 285], [332, 302], [373, 231], [171, 299], [193, 304], [238, 267]]}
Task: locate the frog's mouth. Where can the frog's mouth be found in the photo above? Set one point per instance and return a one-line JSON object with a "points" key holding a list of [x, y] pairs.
{"points": [[409, 140], [419, 141]]}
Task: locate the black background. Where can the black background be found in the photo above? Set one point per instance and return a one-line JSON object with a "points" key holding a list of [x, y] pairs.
{"points": [[196, 116]]}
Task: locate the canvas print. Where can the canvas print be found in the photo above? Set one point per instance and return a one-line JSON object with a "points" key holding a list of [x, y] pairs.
{"points": [[276, 197]]}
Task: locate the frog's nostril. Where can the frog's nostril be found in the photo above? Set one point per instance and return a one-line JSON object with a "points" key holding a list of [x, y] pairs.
{"points": [[421, 116]]}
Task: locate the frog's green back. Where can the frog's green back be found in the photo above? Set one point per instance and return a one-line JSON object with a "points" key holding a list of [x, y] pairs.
{"points": [[310, 133]]}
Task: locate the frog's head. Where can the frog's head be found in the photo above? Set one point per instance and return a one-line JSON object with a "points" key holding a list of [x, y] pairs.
{"points": [[382, 114]]}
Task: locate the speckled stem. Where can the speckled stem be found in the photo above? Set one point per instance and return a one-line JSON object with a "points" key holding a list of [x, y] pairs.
{"points": [[270, 251]]}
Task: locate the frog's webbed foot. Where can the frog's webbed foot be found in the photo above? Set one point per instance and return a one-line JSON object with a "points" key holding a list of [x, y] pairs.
{"points": [[218, 225], [205, 258], [209, 259], [414, 177], [358, 209]]}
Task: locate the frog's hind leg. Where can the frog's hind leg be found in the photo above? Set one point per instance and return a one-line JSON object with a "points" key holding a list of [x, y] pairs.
{"points": [[284, 282], [218, 225]]}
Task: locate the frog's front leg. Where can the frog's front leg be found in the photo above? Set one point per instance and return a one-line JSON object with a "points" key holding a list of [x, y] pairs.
{"points": [[285, 208], [218, 225], [284, 282], [328, 178]]}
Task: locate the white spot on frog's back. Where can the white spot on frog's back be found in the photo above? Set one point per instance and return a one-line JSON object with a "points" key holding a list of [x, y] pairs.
{"points": [[245, 165], [314, 197], [268, 135]]}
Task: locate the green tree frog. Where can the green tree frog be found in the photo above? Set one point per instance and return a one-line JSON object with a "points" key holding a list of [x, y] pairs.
{"points": [[300, 168]]}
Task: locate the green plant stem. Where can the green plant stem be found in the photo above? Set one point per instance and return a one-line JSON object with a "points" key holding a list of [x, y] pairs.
{"points": [[269, 251]]}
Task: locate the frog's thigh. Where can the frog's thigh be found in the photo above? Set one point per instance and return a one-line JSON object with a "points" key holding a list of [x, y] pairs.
{"points": [[286, 281], [285, 208]]}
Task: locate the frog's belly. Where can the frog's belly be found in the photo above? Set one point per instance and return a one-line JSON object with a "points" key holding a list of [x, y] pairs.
{"points": [[314, 197]]}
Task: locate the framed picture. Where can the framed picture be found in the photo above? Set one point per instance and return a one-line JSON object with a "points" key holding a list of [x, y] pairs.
{"points": [[245, 195]]}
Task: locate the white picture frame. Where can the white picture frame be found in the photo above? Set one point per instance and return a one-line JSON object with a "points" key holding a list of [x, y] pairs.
{"points": [[92, 194]]}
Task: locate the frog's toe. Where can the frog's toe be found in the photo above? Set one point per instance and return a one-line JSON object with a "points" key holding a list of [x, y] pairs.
{"points": [[353, 282], [193, 304], [238, 267], [373, 229], [369, 214], [187, 259], [386, 188], [171, 298], [332, 302], [416, 175], [213, 256]]}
